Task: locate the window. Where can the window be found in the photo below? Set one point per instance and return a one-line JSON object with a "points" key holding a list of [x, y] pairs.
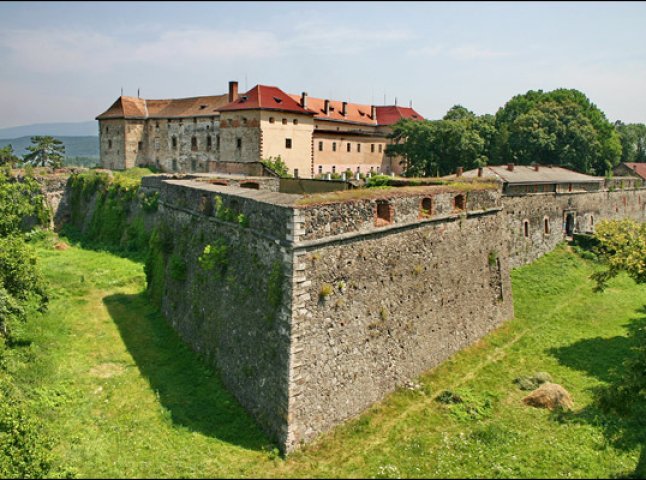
{"points": [[359, 169], [569, 187], [320, 146], [426, 207], [244, 121], [295, 121], [284, 121], [288, 143], [349, 147], [239, 143], [140, 146], [209, 143], [156, 143], [380, 147], [296, 173], [174, 142], [320, 168], [193, 164], [168, 121], [591, 221], [358, 147], [217, 142], [252, 185], [384, 213], [107, 129], [157, 124], [526, 228], [174, 164], [272, 119], [334, 146], [195, 120], [459, 201], [194, 143], [109, 144], [372, 148], [546, 226], [333, 168]]}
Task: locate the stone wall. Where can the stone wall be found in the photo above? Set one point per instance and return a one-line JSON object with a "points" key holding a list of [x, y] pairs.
{"points": [[546, 216], [237, 314], [375, 308]]}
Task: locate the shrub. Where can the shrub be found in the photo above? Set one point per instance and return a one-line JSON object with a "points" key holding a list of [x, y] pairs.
{"points": [[177, 267], [215, 257]]}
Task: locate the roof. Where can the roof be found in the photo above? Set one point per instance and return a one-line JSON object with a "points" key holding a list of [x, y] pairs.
{"points": [[133, 107], [638, 168], [273, 98], [525, 174], [265, 97]]}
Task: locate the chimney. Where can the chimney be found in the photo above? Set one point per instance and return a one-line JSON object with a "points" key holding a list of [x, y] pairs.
{"points": [[233, 91], [536, 167], [458, 171], [373, 112], [344, 109], [304, 100], [480, 171], [326, 107], [510, 167]]}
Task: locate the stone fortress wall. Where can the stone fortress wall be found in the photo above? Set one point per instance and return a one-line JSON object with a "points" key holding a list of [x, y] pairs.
{"points": [[536, 223], [313, 311]]}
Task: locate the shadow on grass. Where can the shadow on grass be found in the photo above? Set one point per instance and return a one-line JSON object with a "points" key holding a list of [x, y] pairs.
{"points": [[187, 388], [74, 237], [618, 407]]}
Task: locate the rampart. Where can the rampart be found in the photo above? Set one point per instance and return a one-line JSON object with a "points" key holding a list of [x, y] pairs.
{"points": [[537, 222], [312, 312], [312, 308]]}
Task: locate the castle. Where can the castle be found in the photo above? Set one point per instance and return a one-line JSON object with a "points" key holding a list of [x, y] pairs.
{"points": [[311, 135]]}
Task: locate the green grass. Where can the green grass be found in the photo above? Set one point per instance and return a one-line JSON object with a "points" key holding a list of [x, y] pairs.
{"points": [[126, 398]]}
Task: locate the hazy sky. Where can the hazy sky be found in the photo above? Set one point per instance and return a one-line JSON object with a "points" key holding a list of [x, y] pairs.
{"points": [[68, 61]]}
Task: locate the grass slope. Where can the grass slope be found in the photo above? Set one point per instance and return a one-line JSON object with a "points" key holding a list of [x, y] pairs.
{"points": [[126, 398]]}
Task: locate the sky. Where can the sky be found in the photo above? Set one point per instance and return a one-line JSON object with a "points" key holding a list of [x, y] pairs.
{"points": [[67, 62]]}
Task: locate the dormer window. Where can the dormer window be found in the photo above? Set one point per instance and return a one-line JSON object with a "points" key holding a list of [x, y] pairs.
{"points": [[278, 100], [202, 107]]}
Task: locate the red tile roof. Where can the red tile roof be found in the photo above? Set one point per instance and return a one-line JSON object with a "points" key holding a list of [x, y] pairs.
{"points": [[265, 98], [357, 112], [132, 107], [387, 115], [259, 97], [638, 168]]}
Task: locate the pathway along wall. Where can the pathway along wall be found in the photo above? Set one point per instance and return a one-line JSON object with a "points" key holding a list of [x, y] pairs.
{"points": [[536, 223]]}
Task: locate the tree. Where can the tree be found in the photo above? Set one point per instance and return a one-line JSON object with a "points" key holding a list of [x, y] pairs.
{"points": [[277, 165], [437, 147], [45, 152], [561, 127], [7, 156], [622, 244], [633, 141]]}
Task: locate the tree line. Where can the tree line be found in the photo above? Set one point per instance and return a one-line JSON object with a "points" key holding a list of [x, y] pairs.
{"points": [[562, 127]]}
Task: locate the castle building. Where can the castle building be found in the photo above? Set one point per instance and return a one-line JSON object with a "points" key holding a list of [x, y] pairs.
{"points": [[313, 136]]}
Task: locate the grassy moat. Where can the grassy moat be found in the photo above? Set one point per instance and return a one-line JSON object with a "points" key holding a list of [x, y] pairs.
{"points": [[123, 397]]}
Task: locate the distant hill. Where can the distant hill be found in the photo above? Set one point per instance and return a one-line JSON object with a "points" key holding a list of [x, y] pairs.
{"points": [[81, 146], [72, 129]]}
